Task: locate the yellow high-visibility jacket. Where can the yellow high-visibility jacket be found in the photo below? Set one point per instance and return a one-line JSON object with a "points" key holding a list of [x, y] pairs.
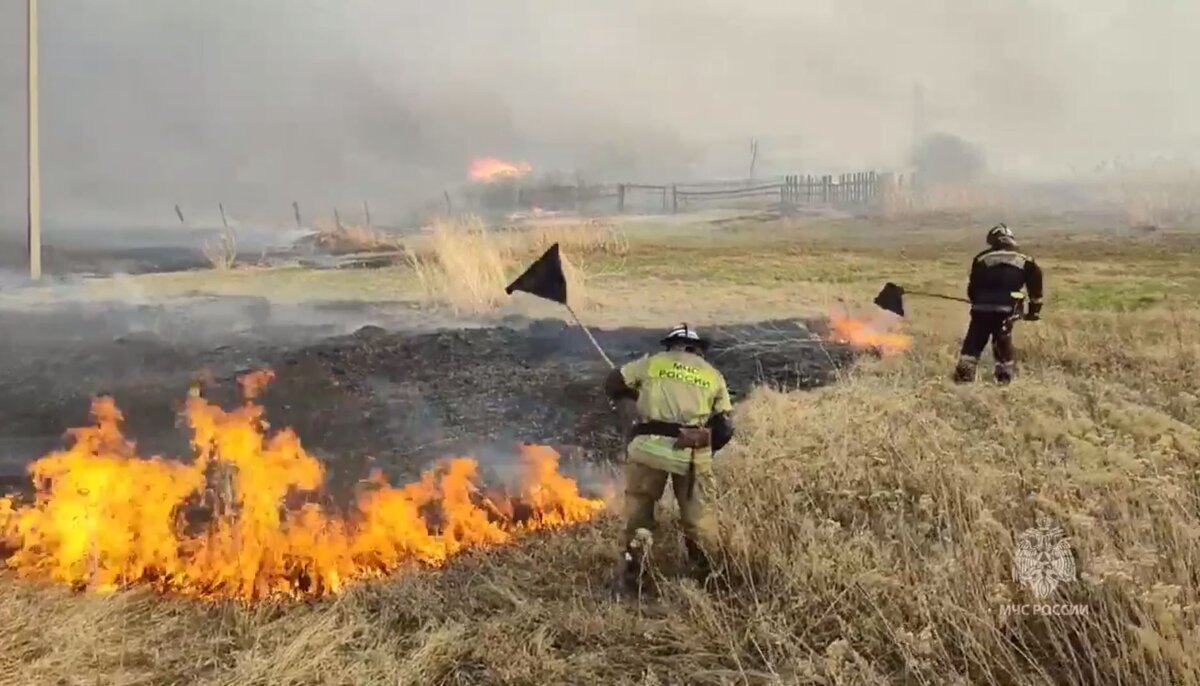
{"points": [[678, 387]]}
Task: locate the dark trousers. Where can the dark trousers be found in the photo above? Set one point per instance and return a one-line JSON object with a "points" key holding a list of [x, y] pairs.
{"points": [[996, 327]]}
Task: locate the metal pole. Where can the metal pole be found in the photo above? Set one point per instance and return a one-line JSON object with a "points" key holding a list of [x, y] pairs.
{"points": [[591, 338], [34, 235]]}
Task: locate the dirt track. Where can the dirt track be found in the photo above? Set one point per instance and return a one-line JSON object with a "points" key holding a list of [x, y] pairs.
{"points": [[392, 398]]}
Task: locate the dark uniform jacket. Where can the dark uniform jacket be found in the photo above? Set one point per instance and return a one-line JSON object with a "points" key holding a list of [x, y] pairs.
{"points": [[996, 273]]}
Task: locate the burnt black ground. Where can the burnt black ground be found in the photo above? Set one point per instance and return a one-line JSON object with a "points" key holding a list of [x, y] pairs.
{"points": [[378, 397]]}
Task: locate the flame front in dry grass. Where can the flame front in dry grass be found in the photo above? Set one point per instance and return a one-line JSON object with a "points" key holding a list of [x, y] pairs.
{"points": [[876, 333], [868, 531], [105, 518]]}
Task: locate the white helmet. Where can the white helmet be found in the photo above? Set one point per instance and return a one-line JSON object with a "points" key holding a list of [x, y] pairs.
{"points": [[685, 335], [1001, 236]]}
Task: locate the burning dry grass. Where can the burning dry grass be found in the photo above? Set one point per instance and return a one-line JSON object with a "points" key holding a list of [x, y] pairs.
{"points": [[220, 527], [878, 332], [869, 531], [465, 265]]}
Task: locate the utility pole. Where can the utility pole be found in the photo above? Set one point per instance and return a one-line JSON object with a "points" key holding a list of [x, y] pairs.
{"points": [[753, 156], [34, 234]]}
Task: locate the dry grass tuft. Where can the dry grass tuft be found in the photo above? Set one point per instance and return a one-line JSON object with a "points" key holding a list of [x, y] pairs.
{"points": [[583, 239], [352, 238], [465, 265], [221, 252]]}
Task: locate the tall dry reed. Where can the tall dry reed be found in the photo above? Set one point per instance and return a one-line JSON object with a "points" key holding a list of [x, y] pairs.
{"points": [[465, 265]]}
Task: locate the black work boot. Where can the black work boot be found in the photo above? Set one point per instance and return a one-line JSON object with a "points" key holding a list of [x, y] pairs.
{"points": [[632, 562], [1005, 372], [964, 372], [701, 566]]}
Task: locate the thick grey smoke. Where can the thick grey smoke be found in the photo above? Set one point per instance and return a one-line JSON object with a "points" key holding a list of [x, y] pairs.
{"points": [[257, 103]]}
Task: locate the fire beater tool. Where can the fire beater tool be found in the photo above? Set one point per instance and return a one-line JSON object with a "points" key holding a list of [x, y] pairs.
{"points": [[891, 298], [545, 279]]}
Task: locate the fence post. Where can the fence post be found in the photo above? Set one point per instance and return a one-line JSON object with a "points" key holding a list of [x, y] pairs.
{"points": [[674, 198], [621, 198]]}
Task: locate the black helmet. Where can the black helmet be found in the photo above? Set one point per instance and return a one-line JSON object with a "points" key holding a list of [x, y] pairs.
{"points": [[1001, 237], [686, 336]]}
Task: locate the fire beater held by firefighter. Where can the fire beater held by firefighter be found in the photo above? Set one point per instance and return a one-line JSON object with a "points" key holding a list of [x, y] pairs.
{"points": [[682, 409], [998, 275]]}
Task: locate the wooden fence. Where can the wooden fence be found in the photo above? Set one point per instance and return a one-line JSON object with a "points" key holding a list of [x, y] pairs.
{"points": [[861, 189]]}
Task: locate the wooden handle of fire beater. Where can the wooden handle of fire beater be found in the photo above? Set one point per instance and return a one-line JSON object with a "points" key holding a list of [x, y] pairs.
{"points": [[591, 338]]}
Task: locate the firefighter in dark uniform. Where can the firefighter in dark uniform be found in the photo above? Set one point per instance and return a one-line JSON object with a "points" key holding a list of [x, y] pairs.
{"points": [[680, 410], [997, 276]]}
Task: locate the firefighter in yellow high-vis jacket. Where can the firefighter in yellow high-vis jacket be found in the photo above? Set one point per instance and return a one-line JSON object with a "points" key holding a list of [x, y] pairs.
{"points": [[683, 416]]}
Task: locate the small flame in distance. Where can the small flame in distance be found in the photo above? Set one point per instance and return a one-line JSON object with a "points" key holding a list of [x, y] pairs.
{"points": [[489, 169], [241, 520]]}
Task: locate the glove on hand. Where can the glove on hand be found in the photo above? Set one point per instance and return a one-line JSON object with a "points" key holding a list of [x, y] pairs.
{"points": [[693, 438], [627, 412]]}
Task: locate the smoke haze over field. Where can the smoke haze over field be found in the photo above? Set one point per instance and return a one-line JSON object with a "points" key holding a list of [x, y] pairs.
{"points": [[146, 103]]}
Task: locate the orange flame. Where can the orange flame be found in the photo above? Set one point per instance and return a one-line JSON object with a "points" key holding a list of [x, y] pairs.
{"points": [[240, 521], [869, 334], [489, 169]]}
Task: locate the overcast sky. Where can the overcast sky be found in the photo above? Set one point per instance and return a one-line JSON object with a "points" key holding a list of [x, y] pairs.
{"points": [[146, 103]]}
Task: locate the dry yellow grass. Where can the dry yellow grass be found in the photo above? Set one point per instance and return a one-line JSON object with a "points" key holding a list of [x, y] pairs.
{"points": [[585, 238], [352, 238], [221, 252], [868, 533], [465, 265], [904, 200]]}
